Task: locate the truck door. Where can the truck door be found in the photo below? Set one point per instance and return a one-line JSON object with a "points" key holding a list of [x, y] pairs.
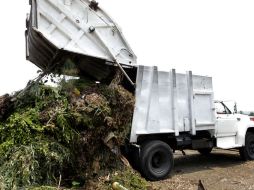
{"points": [[226, 121]]}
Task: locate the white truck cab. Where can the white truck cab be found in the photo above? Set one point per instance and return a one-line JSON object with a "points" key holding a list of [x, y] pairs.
{"points": [[231, 127]]}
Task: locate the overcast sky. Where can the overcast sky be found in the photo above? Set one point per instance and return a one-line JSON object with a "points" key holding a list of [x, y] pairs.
{"points": [[214, 38]]}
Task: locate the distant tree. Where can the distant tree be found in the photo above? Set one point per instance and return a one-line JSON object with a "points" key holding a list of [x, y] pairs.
{"points": [[251, 114]]}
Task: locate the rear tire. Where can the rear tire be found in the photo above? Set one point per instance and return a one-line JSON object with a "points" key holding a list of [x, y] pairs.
{"points": [[156, 160], [247, 152], [205, 151]]}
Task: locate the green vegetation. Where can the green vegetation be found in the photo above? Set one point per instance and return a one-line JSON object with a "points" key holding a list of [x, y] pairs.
{"points": [[55, 136]]}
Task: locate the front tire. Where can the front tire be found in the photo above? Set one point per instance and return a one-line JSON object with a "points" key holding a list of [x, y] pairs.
{"points": [[156, 160], [247, 152]]}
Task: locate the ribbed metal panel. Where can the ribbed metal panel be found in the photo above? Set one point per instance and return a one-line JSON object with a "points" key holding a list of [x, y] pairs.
{"points": [[170, 102]]}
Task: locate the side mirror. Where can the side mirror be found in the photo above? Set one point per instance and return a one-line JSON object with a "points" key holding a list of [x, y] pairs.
{"points": [[235, 108]]}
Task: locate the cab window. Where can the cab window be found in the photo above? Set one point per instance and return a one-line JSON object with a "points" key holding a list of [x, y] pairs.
{"points": [[221, 108]]}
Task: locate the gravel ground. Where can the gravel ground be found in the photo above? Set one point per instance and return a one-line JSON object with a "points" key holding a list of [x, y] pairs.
{"points": [[221, 170]]}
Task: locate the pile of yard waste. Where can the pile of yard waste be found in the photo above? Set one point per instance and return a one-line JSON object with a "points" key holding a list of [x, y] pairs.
{"points": [[67, 136]]}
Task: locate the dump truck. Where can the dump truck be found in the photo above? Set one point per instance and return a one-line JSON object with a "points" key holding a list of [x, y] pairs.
{"points": [[173, 111]]}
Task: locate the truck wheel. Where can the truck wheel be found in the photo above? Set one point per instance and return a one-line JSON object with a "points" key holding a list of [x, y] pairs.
{"points": [[205, 151], [156, 160], [247, 152]]}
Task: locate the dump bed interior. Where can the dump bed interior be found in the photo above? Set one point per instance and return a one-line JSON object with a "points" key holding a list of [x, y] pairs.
{"points": [[77, 32]]}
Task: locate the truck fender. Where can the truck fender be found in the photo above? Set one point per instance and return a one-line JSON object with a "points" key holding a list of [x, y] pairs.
{"points": [[243, 127]]}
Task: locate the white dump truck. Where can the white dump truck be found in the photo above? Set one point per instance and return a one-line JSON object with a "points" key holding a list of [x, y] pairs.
{"points": [[176, 112], [172, 112]]}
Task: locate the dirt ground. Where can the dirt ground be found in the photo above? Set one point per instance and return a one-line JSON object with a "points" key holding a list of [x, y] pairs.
{"points": [[222, 170]]}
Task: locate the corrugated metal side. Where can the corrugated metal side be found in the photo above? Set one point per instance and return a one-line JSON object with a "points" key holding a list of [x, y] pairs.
{"points": [[167, 102]]}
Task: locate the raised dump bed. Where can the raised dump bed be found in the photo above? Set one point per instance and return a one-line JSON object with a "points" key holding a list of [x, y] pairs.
{"points": [[61, 32]]}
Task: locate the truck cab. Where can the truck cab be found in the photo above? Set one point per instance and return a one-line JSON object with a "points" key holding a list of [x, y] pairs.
{"points": [[226, 120], [231, 127]]}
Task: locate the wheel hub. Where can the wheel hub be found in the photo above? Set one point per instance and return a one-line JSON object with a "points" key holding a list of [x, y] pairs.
{"points": [[156, 160], [159, 162], [251, 147]]}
